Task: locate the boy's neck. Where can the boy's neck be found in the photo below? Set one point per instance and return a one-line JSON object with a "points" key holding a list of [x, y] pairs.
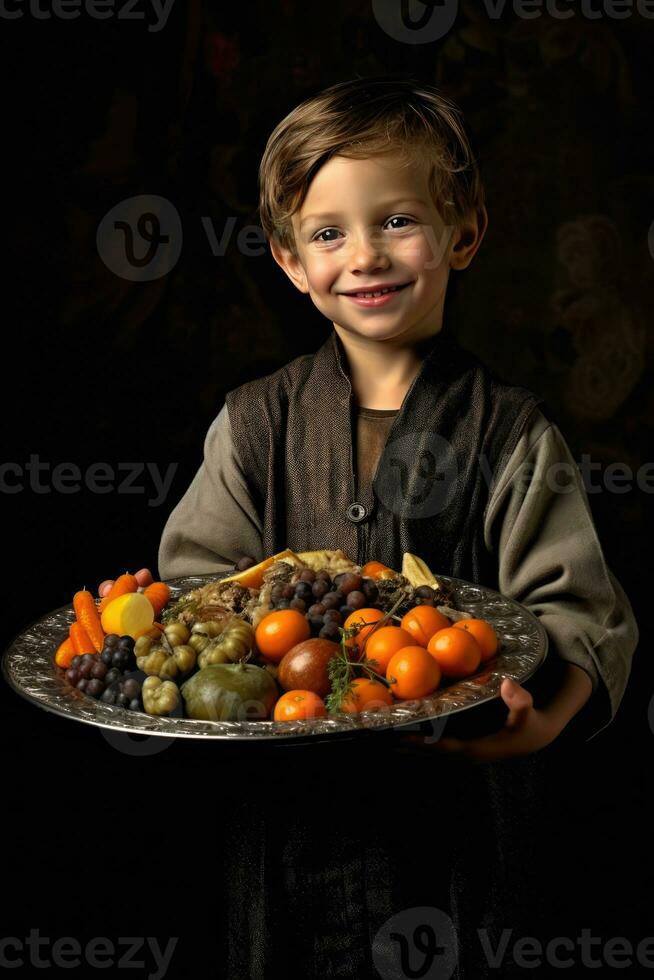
{"points": [[381, 374]]}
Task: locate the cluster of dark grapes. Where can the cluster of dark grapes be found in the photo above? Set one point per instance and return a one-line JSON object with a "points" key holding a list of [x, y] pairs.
{"points": [[327, 602], [108, 675]]}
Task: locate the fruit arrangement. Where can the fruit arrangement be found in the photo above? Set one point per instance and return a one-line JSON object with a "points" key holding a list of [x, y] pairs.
{"points": [[296, 636]]}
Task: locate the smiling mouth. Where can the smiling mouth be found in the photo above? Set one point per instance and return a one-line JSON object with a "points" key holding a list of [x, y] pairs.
{"points": [[382, 292]]}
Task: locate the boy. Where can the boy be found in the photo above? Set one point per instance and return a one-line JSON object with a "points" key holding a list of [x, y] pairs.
{"points": [[369, 185], [391, 438]]}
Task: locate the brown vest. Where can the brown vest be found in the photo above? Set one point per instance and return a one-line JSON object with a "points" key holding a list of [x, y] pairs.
{"points": [[457, 426]]}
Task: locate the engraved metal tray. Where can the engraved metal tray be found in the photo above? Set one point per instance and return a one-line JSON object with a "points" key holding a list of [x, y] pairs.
{"points": [[28, 666]]}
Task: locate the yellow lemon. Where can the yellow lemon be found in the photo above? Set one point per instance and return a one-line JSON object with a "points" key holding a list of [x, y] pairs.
{"points": [[128, 615]]}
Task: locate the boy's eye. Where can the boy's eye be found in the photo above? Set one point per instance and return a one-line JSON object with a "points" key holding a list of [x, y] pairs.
{"points": [[397, 217]]}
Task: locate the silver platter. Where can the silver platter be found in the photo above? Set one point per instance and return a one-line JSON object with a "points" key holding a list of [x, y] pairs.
{"points": [[28, 666]]}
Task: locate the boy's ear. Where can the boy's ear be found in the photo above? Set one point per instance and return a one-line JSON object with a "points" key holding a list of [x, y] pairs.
{"points": [[290, 264], [468, 238]]}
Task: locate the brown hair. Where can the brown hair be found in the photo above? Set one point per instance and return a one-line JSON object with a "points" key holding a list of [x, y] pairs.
{"points": [[357, 119]]}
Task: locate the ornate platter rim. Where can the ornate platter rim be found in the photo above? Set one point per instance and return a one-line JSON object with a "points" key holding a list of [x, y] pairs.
{"points": [[29, 669]]}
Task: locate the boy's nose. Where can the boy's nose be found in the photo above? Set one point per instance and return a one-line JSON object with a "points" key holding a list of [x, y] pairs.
{"points": [[368, 252]]}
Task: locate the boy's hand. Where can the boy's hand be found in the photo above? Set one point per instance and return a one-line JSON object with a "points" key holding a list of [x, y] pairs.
{"points": [[143, 577], [526, 729]]}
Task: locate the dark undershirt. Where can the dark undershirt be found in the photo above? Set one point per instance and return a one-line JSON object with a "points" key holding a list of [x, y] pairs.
{"points": [[373, 426]]}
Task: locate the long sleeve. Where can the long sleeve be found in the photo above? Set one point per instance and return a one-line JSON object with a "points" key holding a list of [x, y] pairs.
{"points": [[539, 524], [215, 523]]}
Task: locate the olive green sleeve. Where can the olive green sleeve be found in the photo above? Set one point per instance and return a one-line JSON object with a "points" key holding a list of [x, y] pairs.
{"points": [[215, 523], [539, 524]]}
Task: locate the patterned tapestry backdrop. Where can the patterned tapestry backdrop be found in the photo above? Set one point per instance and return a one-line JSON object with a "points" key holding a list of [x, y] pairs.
{"points": [[558, 299]]}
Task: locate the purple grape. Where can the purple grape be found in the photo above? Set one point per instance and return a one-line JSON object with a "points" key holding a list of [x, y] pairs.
{"points": [[95, 687], [303, 590], [320, 588], [298, 604], [317, 609], [330, 631], [350, 582], [111, 640], [134, 705], [76, 661], [333, 615], [72, 676], [99, 670], [331, 600], [356, 599], [245, 562], [81, 684], [308, 575], [131, 688]]}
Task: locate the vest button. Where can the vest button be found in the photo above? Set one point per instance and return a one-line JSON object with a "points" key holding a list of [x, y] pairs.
{"points": [[357, 513]]}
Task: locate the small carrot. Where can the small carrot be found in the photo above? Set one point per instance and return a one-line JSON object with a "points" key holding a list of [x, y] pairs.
{"points": [[86, 612], [80, 639], [123, 584], [158, 593], [65, 653]]}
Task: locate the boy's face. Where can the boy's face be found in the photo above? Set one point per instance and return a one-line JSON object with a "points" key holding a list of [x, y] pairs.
{"points": [[372, 222]]}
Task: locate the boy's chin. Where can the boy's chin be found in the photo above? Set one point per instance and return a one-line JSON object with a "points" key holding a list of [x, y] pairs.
{"points": [[381, 332]]}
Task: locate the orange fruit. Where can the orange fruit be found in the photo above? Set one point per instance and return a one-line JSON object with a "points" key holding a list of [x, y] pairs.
{"points": [[413, 673], [299, 704], [383, 643], [367, 694], [422, 622], [371, 616], [376, 569], [279, 631], [456, 652], [483, 633]]}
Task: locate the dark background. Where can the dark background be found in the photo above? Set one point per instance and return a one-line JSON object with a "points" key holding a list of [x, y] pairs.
{"points": [[97, 368]]}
